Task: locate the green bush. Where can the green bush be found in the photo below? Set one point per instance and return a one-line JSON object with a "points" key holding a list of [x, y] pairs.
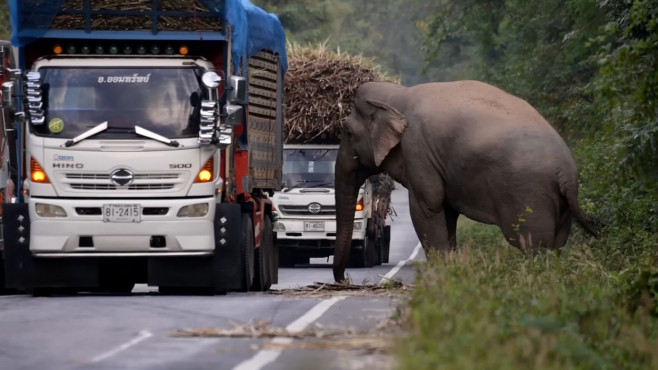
{"points": [[488, 306]]}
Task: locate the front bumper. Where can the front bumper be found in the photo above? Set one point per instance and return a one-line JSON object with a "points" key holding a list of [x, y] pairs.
{"points": [[87, 233], [293, 228]]}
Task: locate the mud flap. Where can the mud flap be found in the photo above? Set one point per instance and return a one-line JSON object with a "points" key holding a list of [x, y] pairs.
{"points": [[17, 257], [227, 266], [24, 273]]}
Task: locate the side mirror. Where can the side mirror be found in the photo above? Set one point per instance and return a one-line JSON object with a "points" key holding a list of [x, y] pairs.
{"points": [[234, 114], [238, 92], [8, 91]]}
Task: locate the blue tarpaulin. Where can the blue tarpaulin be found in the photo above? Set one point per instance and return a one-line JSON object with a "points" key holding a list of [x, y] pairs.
{"points": [[253, 29]]}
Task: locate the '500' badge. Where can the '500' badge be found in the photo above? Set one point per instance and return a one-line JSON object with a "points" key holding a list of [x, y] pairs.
{"points": [[180, 165]]}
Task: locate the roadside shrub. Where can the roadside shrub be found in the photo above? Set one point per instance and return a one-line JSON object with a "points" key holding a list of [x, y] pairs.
{"points": [[488, 306]]}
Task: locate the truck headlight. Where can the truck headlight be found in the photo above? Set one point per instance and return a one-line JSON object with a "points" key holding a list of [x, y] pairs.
{"points": [[49, 210], [279, 227], [193, 210]]}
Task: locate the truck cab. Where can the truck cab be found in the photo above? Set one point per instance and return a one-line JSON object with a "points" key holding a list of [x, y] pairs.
{"points": [[306, 208]]}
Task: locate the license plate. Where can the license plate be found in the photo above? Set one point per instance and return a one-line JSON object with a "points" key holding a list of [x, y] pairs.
{"points": [[313, 225], [122, 213]]}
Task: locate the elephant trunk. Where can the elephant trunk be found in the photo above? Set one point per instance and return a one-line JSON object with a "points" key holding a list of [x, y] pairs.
{"points": [[349, 178]]}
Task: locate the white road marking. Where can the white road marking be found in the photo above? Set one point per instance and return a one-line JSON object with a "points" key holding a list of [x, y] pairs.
{"points": [[143, 335], [267, 356], [397, 268]]}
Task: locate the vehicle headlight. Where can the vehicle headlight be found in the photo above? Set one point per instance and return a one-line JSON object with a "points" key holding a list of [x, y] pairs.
{"points": [[49, 210], [357, 225], [194, 210], [279, 227]]}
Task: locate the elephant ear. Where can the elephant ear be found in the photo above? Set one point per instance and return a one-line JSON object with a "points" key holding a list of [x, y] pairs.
{"points": [[388, 127]]}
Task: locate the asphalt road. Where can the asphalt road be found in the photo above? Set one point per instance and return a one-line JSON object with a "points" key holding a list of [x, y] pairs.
{"points": [[288, 328]]}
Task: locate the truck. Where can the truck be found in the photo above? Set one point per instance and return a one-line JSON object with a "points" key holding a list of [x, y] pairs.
{"points": [[145, 143], [306, 210]]}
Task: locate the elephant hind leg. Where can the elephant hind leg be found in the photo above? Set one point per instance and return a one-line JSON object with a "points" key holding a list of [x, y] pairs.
{"points": [[563, 230]]}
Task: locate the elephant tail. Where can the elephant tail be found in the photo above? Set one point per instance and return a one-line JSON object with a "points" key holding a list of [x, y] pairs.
{"points": [[569, 190]]}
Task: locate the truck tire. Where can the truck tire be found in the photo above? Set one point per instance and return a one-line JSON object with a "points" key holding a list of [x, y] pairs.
{"points": [[247, 253], [379, 244], [3, 289], [275, 258], [386, 243], [364, 252], [263, 259]]}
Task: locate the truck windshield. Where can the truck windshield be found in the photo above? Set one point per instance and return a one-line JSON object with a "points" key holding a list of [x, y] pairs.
{"points": [[309, 168], [163, 100]]}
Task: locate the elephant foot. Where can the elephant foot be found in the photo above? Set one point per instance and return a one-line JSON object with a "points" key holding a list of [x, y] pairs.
{"points": [[339, 275]]}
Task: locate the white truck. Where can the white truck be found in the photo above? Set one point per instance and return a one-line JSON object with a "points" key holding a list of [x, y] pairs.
{"points": [[306, 210], [144, 145]]}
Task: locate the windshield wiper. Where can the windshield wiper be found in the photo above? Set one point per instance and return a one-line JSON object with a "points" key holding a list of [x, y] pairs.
{"points": [[87, 134], [152, 135], [323, 185], [301, 183]]}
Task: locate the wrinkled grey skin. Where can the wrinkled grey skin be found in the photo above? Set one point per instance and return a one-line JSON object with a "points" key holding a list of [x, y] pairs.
{"points": [[461, 147]]}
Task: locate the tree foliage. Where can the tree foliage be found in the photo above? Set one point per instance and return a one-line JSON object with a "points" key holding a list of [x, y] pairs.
{"points": [[387, 30], [5, 24], [308, 21]]}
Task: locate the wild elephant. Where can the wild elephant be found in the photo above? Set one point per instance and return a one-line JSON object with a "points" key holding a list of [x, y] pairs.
{"points": [[462, 147]]}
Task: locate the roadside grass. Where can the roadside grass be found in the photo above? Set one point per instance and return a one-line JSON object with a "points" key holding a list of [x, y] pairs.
{"points": [[488, 306]]}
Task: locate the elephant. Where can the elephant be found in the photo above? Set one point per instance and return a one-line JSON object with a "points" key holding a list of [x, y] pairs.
{"points": [[460, 148]]}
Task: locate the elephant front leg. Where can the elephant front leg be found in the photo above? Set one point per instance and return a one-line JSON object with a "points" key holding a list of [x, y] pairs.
{"points": [[436, 230]]}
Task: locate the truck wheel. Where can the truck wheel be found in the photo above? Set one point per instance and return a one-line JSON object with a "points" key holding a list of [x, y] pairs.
{"points": [[263, 260], [379, 245], [386, 243], [3, 289], [247, 253], [275, 259], [364, 252], [274, 254]]}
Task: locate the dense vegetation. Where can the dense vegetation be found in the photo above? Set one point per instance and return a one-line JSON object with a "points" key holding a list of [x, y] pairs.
{"points": [[5, 24], [590, 67]]}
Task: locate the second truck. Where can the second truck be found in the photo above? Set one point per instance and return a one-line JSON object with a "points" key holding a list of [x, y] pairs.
{"points": [[306, 208]]}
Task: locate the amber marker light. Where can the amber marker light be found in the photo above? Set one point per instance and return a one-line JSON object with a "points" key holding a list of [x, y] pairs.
{"points": [[206, 173], [37, 174], [183, 50], [57, 49], [359, 205]]}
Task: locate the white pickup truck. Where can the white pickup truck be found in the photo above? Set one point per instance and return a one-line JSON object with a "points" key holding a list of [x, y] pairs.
{"points": [[306, 209]]}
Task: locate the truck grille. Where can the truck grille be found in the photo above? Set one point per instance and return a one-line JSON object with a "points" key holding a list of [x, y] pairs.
{"points": [[141, 182], [303, 211]]}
